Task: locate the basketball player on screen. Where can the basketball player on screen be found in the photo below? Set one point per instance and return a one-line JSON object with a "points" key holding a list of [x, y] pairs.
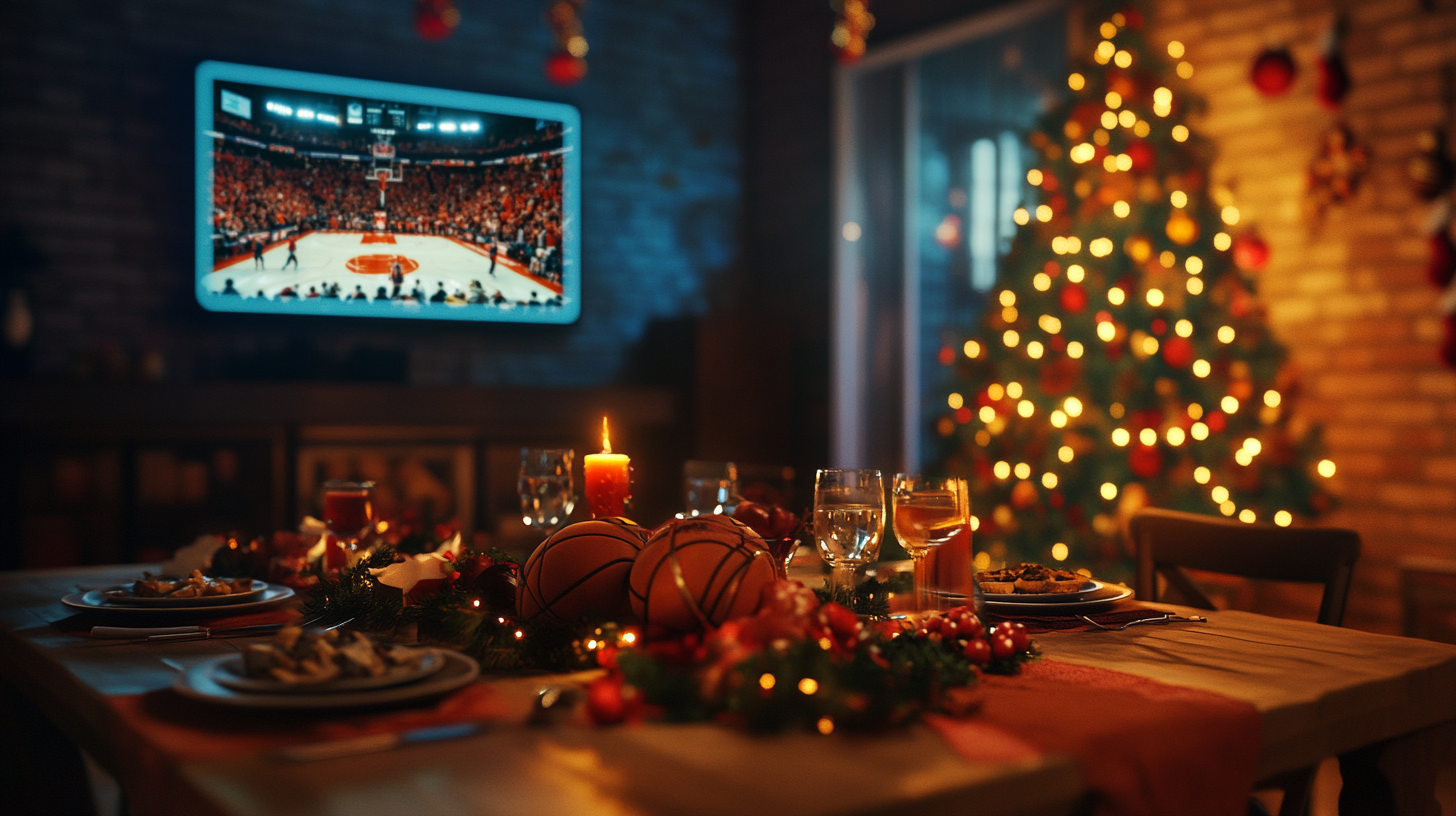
{"points": [[258, 254], [292, 249], [396, 277]]}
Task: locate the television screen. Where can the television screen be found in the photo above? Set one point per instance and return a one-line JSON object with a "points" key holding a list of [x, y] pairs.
{"points": [[324, 195]]}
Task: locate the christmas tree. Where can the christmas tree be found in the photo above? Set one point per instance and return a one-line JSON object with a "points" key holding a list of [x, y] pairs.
{"points": [[1123, 360]]}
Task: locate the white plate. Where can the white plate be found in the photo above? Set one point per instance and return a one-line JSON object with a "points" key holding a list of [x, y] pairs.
{"points": [[122, 595], [96, 601], [197, 682], [229, 673], [1110, 594], [1088, 588]]}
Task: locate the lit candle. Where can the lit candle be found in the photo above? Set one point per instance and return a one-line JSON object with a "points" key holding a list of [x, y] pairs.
{"points": [[608, 484]]}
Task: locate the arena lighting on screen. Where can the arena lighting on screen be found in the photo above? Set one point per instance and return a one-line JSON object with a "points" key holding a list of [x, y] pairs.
{"points": [[336, 205]]}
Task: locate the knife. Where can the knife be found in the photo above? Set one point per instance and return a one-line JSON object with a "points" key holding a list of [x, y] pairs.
{"points": [[172, 634]]}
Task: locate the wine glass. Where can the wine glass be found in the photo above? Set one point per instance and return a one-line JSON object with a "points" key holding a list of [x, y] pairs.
{"points": [[709, 487], [849, 519], [929, 512], [348, 514], [545, 487]]}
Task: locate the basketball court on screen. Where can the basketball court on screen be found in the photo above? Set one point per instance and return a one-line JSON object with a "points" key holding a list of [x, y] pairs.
{"points": [[364, 260]]}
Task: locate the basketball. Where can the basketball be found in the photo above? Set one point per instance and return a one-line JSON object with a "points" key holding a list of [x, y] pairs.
{"points": [[582, 568], [699, 572]]}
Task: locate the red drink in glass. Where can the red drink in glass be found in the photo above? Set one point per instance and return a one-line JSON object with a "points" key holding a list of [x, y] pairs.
{"points": [[348, 507]]}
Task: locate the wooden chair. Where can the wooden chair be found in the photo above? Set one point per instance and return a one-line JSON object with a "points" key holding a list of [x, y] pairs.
{"points": [[1167, 541]]}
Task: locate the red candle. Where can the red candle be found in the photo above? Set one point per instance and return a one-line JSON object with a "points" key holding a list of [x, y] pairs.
{"points": [[608, 480]]}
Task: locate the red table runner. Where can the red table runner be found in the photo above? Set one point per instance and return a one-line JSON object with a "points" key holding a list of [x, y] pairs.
{"points": [[1146, 748]]}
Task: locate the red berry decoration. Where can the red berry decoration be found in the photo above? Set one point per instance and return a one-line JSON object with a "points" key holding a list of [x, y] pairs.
{"points": [[1073, 298], [978, 651], [435, 19], [1002, 645], [1273, 71], [609, 700], [563, 69], [1251, 253], [1019, 636], [1145, 461], [1178, 352]]}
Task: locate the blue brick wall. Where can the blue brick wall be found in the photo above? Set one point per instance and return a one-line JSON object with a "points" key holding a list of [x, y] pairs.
{"points": [[95, 176]]}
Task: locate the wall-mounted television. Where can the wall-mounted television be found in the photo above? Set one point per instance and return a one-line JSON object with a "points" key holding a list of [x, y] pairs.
{"points": [[321, 195]]}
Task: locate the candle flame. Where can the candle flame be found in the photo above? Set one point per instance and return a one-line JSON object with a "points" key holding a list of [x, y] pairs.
{"points": [[606, 440]]}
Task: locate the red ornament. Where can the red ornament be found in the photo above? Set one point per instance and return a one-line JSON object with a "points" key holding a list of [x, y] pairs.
{"points": [[564, 69], [1216, 421], [1251, 253], [435, 19], [1178, 352], [1441, 266], [1273, 71], [1073, 298], [1334, 81], [1145, 461], [1141, 153], [977, 651], [1448, 340], [610, 701]]}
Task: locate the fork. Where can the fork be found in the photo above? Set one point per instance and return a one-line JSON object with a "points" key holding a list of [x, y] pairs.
{"points": [[1160, 619]]}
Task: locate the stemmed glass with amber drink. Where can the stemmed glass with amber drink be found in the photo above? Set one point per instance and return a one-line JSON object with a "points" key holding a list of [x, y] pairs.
{"points": [[349, 510], [929, 512]]}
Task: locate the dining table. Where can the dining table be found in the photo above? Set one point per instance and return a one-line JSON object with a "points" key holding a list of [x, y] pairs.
{"points": [[1319, 691]]}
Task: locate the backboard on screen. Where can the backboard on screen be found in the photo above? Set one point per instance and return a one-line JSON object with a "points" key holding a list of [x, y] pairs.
{"points": [[321, 195]]}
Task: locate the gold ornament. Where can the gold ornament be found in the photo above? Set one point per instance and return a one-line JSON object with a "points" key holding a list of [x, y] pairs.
{"points": [[1139, 248], [1181, 229]]}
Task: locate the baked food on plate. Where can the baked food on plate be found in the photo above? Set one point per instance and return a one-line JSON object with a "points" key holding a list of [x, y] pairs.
{"points": [[1034, 579], [997, 582]]}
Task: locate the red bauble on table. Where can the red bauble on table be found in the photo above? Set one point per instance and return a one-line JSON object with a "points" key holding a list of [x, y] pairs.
{"points": [[1251, 253], [1145, 461], [435, 19], [564, 69], [1273, 71], [1073, 298]]}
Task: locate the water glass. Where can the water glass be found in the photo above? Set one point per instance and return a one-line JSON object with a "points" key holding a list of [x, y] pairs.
{"points": [[709, 488], [930, 513], [849, 520], [545, 487]]}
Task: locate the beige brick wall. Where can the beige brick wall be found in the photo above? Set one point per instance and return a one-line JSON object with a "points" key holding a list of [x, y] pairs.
{"points": [[1350, 299]]}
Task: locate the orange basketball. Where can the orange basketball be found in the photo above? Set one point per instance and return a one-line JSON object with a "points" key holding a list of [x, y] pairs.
{"points": [[581, 569], [699, 572]]}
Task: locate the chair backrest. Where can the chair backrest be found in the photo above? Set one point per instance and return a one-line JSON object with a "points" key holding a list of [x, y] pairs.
{"points": [[1167, 541]]}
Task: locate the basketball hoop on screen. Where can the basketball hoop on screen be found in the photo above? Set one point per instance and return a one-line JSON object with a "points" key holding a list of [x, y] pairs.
{"points": [[382, 175]]}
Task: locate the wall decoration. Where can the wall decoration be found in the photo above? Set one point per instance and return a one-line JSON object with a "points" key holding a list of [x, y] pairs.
{"points": [[1335, 172], [1334, 80], [567, 64], [1273, 71]]}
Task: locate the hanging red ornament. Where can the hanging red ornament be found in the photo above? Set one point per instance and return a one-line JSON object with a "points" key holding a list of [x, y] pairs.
{"points": [[1073, 298], [1178, 352], [1334, 80], [851, 27], [567, 65], [436, 19], [1273, 71], [1448, 341], [1141, 154], [1145, 461], [1441, 263], [1250, 252]]}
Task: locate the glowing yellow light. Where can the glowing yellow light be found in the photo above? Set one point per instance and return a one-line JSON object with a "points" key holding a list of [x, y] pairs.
{"points": [[1104, 52], [1175, 49], [1075, 273], [1194, 265], [1043, 213], [1148, 436], [1142, 129], [982, 561], [1074, 244], [1229, 214], [1035, 349], [1162, 96], [1109, 491], [1180, 133], [629, 637], [1021, 216], [1106, 332], [592, 644], [1023, 470], [1178, 198], [1120, 437], [955, 400], [1025, 408], [1116, 410], [995, 391], [1155, 297], [1116, 296], [766, 681], [1229, 404], [1121, 209], [1202, 474], [1109, 163], [1175, 436], [1034, 177], [1113, 99], [971, 349], [1073, 406], [1246, 516], [520, 634], [1074, 350], [808, 685], [1049, 324], [1059, 419], [1010, 338], [1150, 345], [1243, 457], [1183, 328], [1108, 30], [1007, 297], [1222, 241], [1002, 470], [1065, 453], [1013, 390], [1253, 446], [1227, 508], [987, 414], [1201, 368], [1325, 468], [1161, 110], [1127, 118], [1167, 259], [1082, 153], [1283, 518], [1059, 550], [1041, 282], [1272, 398], [1109, 120], [1199, 431], [1195, 411], [1195, 286], [1100, 247], [1185, 69], [1009, 314], [1076, 82], [1124, 162], [825, 725], [1059, 245], [975, 523], [1049, 480], [1226, 334], [1220, 494]]}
